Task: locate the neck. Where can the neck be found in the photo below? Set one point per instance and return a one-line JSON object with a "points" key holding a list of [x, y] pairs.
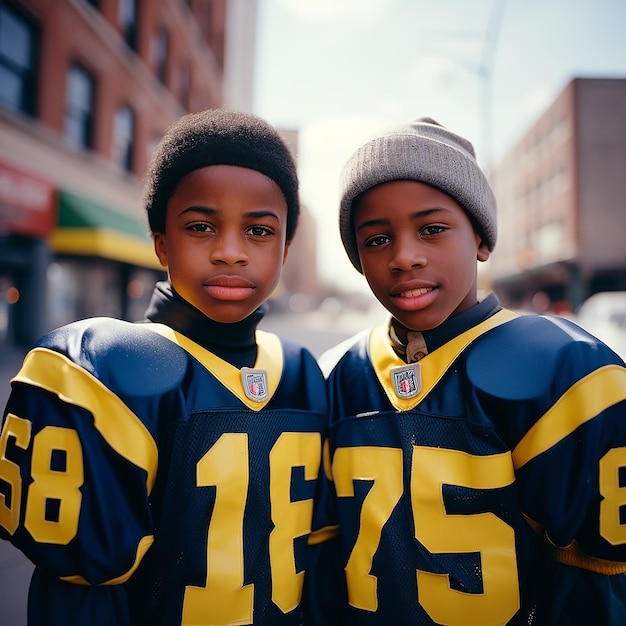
{"points": [[234, 343]]}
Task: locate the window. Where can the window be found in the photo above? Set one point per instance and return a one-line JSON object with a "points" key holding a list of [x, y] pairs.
{"points": [[18, 60], [79, 99], [160, 45], [127, 19], [123, 131]]}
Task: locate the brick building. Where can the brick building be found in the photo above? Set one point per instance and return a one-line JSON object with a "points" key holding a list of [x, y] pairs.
{"points": [[561, 194], [86, 90]]}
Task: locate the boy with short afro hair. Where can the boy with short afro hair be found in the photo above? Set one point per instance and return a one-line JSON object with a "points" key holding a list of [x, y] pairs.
{"points": [[476, 454], [163, 472]]}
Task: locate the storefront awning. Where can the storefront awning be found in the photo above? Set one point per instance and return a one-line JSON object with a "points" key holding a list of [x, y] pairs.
{"points": [[88, 228]]}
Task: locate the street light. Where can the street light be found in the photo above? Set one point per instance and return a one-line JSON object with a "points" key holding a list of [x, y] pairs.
{"points": [[485, 72]]}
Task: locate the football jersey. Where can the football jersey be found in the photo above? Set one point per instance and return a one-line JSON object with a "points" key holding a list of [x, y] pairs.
{"points": [[167, 485], [484, 484]]}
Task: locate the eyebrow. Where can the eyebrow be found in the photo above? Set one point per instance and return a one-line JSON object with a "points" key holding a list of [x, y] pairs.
{"points": [[210, 211], [415, 215]]}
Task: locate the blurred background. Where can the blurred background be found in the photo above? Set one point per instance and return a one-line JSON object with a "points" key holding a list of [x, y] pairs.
{"points": [[87, 88]]}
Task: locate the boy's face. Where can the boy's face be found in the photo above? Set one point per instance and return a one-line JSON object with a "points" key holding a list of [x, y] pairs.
{"points": [[418, 251], [224, 241]]}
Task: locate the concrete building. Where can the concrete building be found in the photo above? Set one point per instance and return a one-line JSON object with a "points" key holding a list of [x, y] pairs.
{"points": [[561, 193]]}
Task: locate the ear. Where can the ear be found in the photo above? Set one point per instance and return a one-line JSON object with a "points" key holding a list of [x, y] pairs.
{"points": [[287, 244], [483, 251], [160, 248]]}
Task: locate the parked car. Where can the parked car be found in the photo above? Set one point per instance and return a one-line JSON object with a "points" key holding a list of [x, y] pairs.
{"points": [[604, 315]]}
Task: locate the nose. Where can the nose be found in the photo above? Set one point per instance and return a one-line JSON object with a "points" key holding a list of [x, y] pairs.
{"points": [[407, 253], [228, 249]]}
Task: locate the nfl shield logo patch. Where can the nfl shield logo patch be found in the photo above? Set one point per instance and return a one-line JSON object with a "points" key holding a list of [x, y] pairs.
{"points": [[254, 383], [407, 380]]}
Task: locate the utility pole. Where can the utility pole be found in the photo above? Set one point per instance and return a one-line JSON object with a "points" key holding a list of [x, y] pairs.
{"points": [[485, 73]]}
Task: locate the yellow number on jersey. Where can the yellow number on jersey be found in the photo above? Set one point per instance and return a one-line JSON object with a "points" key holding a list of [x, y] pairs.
{"points": [[60, 485], [482, 533], [225, 599], [291, 519], [485, 533], [613, 496], [9, 472], [384, 467]]}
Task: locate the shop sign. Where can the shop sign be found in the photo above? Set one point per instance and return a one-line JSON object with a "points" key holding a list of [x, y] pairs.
{"points": [[26, 203]]}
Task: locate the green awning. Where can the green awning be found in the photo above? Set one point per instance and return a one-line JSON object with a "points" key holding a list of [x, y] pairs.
{"points": [[87, 228]]}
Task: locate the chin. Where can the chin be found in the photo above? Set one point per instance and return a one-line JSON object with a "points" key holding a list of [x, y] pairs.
{"points": [[419, 322], [228, 317]]}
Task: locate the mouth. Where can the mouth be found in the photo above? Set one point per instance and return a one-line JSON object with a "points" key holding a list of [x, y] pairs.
{"points": [[414, 299], [414, 293], [229, 287]]}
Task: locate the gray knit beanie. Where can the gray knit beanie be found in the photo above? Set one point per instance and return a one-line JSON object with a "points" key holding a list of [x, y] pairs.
{"points": [[219, 137], [427, 152]]}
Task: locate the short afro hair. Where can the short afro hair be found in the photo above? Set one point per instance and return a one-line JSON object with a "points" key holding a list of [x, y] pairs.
{"points": [[219, 137]]}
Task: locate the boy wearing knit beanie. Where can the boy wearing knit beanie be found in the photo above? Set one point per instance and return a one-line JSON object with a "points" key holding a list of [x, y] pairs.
{"points": [[163, 472], [477, 455]]}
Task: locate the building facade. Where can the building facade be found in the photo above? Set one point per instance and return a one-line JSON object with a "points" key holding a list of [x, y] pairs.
{"points": [[561, 196], [87, 89]]}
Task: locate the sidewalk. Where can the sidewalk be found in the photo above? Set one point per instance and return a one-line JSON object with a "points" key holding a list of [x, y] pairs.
{"points": [[15, 569]]}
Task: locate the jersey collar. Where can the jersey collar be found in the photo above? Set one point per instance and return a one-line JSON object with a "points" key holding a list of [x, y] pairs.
{"points": [[432, 367], [269, 358]]}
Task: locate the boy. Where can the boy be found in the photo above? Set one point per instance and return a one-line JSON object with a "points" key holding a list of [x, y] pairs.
{"points": [[478, 456], [163, 473]]}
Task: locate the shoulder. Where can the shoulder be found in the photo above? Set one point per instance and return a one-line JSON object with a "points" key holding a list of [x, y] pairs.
{"points": [[122, 355], [525, 355]]}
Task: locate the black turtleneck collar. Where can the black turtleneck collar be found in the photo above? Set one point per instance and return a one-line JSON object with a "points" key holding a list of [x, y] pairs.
{"points": [[234, 343], [458, 324]]}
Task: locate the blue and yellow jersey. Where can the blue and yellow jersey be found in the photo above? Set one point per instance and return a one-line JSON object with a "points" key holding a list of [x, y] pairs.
{"points": [[485, 484], [141, 466]]}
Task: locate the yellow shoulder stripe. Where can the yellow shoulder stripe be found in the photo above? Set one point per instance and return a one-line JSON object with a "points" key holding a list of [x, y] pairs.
{"points": [[269, 358], [590, 396], [433, 366], [117, 424]]}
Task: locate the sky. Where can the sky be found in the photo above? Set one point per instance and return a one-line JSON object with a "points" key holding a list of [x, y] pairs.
{"points": [[340, 71]]}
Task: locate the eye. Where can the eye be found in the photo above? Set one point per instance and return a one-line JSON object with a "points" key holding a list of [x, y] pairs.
{"points": [[259, 231], [433, 229], [199, 227], [377, 240]]}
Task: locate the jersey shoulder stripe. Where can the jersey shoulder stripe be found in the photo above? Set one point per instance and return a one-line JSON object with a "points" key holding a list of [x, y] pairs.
{"points": [[119, 426], [586, 399]]}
